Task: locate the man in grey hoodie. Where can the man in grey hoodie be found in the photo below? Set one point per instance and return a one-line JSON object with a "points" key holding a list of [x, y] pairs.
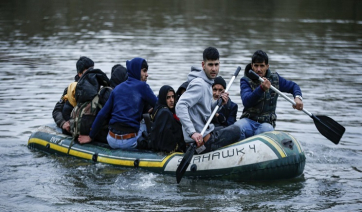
{"points": [[195, 107]]}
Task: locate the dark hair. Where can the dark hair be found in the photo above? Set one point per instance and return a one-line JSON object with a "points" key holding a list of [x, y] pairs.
{"points": [[144, 65], [84, 63], [260, 57], [210, 53]]}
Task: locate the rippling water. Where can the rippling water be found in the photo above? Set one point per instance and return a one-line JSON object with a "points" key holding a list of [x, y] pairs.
{"points": [[317, 44]]}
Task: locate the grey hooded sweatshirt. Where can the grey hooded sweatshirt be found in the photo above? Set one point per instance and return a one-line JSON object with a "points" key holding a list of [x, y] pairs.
{"points": [[195, 105]]}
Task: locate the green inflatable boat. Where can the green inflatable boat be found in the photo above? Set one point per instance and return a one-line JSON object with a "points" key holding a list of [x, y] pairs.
{"points": [[268, 156]]}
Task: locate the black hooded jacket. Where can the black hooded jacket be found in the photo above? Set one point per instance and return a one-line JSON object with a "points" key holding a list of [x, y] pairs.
{"points": [[60, 106], [183, 86], [166, 131]]}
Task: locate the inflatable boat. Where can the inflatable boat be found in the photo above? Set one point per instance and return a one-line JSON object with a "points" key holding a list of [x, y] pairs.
{"points": [[267, 156]]}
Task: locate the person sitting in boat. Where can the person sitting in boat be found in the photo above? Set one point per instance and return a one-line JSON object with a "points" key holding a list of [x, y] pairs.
{"points": [[259, 100], [226, 116], [124, 108], [118, 75], [166, 131], [195, 107], [63, 108]]}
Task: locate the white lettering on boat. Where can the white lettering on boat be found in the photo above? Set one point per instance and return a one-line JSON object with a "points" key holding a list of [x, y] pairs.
{"points": [[54, 140], [232, 156]]}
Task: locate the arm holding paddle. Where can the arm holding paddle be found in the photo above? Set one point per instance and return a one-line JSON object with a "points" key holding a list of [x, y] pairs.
{"points": [[265, 85], [328, 127]]}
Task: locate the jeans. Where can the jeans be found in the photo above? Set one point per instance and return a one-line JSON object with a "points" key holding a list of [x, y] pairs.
{"points": [[130, 143], [250, 128]]}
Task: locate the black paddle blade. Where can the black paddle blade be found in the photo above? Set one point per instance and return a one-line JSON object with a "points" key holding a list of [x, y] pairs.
{"points": [[329, 128], [181, 169]]}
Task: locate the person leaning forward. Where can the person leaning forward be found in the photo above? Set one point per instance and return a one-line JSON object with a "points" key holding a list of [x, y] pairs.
{"points": [[259, 100], [195, 107], [124, 108]]}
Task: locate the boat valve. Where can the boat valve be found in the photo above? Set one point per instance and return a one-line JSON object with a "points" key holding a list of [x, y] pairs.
{"points": [[193, 168], [288, 143], [136, 163]]}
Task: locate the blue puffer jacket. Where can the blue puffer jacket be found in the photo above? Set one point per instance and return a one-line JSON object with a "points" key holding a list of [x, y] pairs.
{"points": [[127, 100]]}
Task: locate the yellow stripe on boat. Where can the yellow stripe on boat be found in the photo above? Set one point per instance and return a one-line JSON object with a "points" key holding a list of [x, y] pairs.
{"points": [[101, 158], [297, 144], [143, 163], [275, 144]]}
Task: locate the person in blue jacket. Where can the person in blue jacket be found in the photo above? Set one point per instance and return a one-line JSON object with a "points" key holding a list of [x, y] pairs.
{"points": [[226, 115], [259, 100], [124, 108]]}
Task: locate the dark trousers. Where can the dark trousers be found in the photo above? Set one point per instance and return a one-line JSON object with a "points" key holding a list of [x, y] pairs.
{"points": [[222, 137]]}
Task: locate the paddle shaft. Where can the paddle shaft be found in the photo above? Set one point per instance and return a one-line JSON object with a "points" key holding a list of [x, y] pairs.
{"points": [[325, 125], [219, 103], [283, 95], [181, 169]]}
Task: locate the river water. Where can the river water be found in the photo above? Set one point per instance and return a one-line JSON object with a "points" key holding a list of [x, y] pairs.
{"points": [[317, 44]]}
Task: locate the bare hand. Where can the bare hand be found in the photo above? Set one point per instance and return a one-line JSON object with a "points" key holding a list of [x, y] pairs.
{"points": [[83, 139], [198, 138], [66, 126], [298, 104], [266, 84], [225, 98]]}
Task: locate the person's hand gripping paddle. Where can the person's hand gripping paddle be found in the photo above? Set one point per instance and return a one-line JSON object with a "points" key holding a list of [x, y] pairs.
{"points": [[325, 125], [181, 169]]}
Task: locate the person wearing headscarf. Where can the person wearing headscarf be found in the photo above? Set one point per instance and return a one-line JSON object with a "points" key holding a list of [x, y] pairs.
{"points": [[166, 131]]}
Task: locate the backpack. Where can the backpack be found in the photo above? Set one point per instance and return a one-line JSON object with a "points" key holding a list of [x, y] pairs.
{"points": [[84, 114], [88, 94]]}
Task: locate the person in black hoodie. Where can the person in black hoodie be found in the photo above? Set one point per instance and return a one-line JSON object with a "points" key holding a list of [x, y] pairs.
{"points": [[181, 89], [62, 109], [166, 131]]}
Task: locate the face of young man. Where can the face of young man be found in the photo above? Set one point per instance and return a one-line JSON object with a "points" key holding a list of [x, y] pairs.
{"points": [[260, 68], [217, 90], [170, 99], [211, 68], [144, 74]]}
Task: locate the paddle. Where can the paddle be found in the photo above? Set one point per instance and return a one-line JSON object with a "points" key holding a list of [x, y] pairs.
{"points": [[325, 125], [180, 171]]}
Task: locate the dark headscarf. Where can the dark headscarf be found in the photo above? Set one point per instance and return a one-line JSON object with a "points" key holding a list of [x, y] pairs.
{"points": [[161, 102], [182, 87], [118, 75]]}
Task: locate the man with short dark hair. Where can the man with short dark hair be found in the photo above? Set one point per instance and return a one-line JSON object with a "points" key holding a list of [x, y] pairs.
{"points": [[63, 108], [259, 100], [195, 107], [226, 115]]}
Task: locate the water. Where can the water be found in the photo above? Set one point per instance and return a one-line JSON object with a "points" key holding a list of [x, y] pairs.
{"points": [[314, 43]]}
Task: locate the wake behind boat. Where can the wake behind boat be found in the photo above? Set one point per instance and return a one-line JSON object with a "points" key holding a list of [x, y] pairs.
{"points": [[267, 156]]}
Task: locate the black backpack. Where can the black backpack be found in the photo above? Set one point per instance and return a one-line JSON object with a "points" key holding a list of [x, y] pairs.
{"points": [[88, 95]]}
